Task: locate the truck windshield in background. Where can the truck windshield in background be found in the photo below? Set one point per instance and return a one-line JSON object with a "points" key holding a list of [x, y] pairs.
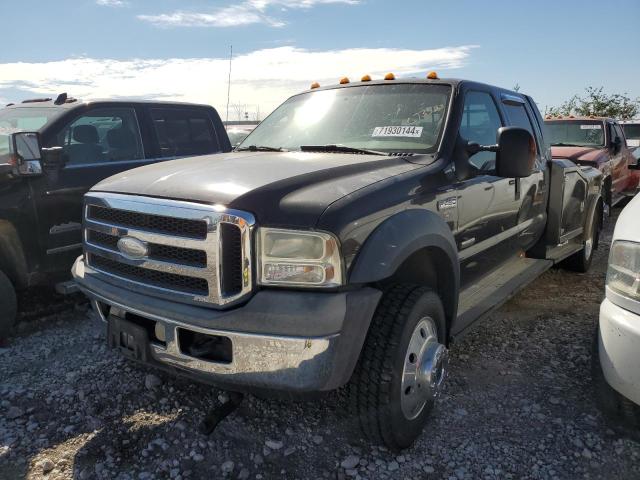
{"points": [[572, 133], [632, 132], [389, 117], [28, 119]]}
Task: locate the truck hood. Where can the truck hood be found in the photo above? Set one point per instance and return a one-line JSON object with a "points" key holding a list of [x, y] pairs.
{"points": [[580, 154], [285, 188]]}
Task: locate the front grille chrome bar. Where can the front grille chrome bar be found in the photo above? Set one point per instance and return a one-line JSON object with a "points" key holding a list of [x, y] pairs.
{"points": [[159, 224]]}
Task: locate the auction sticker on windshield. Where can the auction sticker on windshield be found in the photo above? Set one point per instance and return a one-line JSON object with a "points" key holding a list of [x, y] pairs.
{"points": [[590, 127], [401, 131]]}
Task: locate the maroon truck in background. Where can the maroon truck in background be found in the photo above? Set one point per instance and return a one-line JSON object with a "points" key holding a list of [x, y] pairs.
{"points": [[596, 142]]}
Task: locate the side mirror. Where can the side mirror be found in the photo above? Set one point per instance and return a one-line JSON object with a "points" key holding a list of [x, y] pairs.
{"points": [[26, 151], [516, 152], [616, 144]]}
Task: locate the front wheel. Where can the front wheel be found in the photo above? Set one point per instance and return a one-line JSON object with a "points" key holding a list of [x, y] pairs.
{"points": [[402, 367], [8, 306]]}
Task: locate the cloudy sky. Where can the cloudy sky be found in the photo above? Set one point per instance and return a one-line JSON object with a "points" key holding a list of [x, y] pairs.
{"points": [[179, 49]]}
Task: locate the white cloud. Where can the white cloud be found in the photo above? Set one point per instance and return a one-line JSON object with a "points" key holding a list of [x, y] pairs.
{"points": [[245, 13], [262, 78], [112, 3], [232, 16]]}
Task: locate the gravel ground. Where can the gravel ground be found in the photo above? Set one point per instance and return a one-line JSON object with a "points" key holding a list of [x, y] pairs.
{"points": [[518, 404]]}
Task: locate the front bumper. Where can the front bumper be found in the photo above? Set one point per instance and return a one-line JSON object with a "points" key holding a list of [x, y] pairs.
{"points": [[619, 349], [281, 340]]}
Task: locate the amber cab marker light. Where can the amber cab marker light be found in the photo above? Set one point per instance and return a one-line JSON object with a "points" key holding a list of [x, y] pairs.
{"points": [[344, 80], [432, 75], [366, 78], [315, 85], [389, 76]]}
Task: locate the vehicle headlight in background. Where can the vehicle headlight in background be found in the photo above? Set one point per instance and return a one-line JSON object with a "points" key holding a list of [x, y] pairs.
{"points": [[623, 276], [298, 258]]}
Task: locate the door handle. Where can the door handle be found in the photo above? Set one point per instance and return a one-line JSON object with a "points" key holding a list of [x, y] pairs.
{"points": [[467, 243], [512, 181], [487, 188]]}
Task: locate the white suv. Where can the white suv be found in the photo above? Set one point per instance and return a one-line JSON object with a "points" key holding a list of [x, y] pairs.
{"points": [[616, 365]]}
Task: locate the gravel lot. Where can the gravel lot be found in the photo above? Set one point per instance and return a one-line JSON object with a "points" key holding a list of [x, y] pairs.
{"points": [[519, 404]]}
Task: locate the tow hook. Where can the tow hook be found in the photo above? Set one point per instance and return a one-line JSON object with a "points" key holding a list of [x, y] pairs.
{"points": [[219, 413]]}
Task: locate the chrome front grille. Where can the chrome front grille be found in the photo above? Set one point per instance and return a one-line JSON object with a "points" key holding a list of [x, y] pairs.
{"points": [[193, 253]]}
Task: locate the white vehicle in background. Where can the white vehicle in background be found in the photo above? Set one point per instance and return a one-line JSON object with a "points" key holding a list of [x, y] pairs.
{"points": [[631, 132], [616, 365], [238, 132]]}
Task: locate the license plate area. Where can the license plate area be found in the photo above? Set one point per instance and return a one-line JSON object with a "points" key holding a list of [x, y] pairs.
{"points": [[130, 339]]}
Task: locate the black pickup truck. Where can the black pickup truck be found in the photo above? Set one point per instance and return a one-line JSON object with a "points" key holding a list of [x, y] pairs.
{"points": [[53, 151], [351, 237]]}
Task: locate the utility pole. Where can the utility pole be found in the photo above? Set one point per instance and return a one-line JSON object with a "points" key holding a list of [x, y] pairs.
{"points": [[229, 82]]}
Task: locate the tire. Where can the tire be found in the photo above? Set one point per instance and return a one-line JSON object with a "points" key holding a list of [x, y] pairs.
{"points": [[608, 196], [622, 414], [407, 332], [8, 306], [581, 261]]}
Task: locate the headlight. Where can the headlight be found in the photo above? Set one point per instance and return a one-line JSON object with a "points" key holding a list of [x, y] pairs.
{"points": [[296, 258], [623, 276]]}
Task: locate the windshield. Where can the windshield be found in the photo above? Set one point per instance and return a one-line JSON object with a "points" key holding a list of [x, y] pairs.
{"points": [[388, 118], [576, 134], [632, 131], [27, 119]]}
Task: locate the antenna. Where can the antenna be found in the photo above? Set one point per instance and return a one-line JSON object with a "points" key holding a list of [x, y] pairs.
{"points": [[229, 82]]}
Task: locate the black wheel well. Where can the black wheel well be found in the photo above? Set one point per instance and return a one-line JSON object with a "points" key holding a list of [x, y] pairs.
{"points": [[431, 267], [12, 261]]}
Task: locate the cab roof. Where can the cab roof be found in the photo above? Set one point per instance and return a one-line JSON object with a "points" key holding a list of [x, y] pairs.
{"points": [[452, 82], [576, 118], [73, 103]]}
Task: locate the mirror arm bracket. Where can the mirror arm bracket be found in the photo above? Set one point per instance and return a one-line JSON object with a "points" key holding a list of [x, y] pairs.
{"points": [[473, 148]]}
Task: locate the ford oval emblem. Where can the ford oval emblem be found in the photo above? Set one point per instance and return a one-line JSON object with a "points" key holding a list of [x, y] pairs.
{"points": [[133, 248]]}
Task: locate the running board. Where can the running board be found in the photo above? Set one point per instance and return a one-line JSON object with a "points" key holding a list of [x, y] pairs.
{"points": [[488, 293]]}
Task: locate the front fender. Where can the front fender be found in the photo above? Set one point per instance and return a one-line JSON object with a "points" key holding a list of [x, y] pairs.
{"points": [[399, 237]]}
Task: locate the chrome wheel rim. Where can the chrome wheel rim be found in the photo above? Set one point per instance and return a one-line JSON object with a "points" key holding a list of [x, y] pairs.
{"points": [[424, 371]]}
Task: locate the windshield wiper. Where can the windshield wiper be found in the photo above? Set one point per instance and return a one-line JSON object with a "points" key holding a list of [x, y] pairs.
{"points": [[339, 148], [560, 144], [260, 148]]}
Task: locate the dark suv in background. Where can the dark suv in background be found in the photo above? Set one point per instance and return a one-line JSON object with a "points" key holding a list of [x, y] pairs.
{"points": [[52, 152]]}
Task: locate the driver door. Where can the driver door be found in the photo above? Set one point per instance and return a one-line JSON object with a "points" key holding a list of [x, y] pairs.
{"points": [[97, 143], [486, 202]]}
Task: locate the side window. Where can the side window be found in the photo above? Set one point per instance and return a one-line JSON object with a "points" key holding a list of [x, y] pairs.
{"points": [[480, 124], [183, 132], [102, 135], [620, 134], [518, 117], [612, 132]]}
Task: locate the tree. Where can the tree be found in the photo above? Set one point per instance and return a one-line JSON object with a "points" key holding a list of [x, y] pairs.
{"points": [[598, 103]]}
